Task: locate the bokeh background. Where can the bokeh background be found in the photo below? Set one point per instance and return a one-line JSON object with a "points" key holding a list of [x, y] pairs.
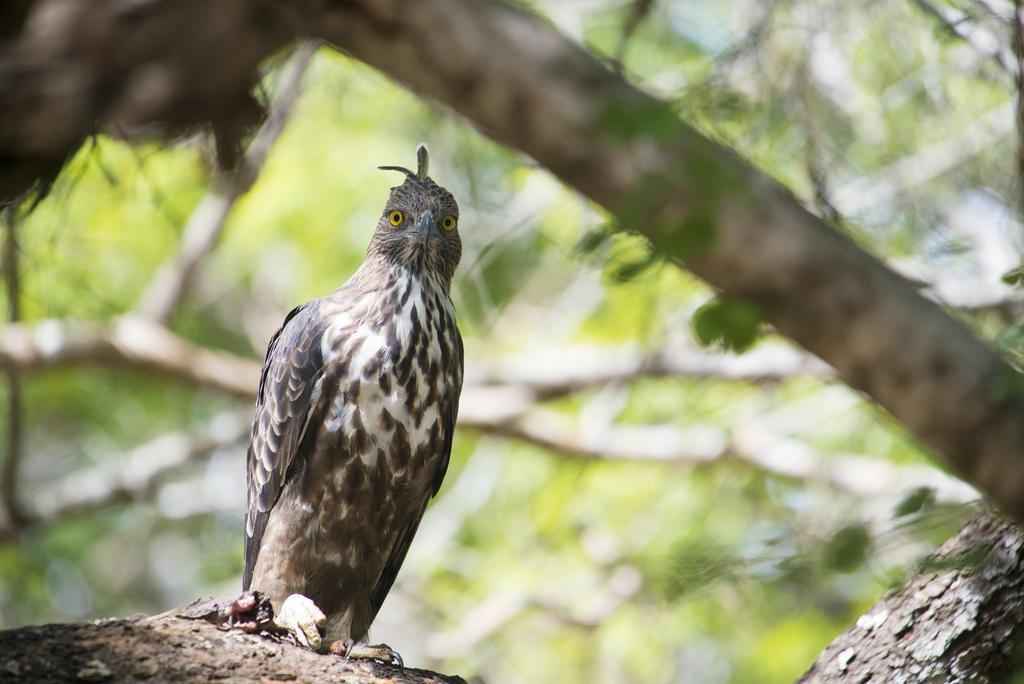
{"points": [[642, 489]]}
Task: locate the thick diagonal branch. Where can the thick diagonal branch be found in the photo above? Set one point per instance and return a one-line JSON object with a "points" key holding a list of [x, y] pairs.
{"points": [[526, 85], [956, 624]]}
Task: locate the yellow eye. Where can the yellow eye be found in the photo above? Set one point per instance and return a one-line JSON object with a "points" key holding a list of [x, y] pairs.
{"points": [[448, 223], [396, 217]]}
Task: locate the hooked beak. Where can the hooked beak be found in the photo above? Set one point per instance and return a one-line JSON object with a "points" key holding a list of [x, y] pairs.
{"points": [[426, 226]]}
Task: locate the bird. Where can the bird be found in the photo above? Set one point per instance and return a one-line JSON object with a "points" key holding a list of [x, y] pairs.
{"points": [[352, 433]]}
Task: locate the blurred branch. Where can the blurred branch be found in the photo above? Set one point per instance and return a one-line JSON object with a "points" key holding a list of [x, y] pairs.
{"points": [[558, 372], [130, 72], [925, 164], [1018, 50], [1000, 11], [960, 25], [171, 281], [492, 614], [133, 476], [128, 341], [10, 511], [703, 445], [638, 11], [137, 475], [135, 342]]}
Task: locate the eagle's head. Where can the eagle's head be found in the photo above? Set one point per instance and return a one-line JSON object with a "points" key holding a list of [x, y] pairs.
{"points": [[419, 228]]}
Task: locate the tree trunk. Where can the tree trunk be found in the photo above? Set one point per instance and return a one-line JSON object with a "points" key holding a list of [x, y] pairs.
{"points": [[193, 643], [961, 622]]}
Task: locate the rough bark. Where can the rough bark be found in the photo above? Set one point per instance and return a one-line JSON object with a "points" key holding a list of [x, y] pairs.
{"points": [[68, 68], [962, 623], [186, 645], [77, 63]]}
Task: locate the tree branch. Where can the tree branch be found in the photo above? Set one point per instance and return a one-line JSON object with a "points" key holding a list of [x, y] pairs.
{"points": [[128, 341], [958, 23], [958, 622], [558, 372], [518, 79], [134, 476], [10, 511], [704, 445], [491, 615], [131, 70], [190, 643], [925, 164]]}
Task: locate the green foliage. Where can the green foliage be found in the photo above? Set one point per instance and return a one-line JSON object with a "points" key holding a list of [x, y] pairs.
{"points": [[916, 501], [847, 549], [594, 240], [731, 323], [1014, 276], [623, 255], [695, 565]]}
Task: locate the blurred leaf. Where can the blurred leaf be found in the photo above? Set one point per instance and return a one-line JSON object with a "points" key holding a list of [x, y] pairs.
{"points": [[595, 239], [733, 323], [625, 272], [1014, 276], [847, 549], [696, 564], [918, 500]]}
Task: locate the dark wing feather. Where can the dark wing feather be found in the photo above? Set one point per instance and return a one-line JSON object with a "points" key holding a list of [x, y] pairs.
{"points": [[404, 541], [289, 385]]}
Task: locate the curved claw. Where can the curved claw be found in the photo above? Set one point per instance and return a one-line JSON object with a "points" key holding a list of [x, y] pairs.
{"points": [[360, 651]]}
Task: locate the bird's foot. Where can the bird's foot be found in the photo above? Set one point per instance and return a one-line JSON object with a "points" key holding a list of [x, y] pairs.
{"points": [[300, 616], [358, 650]]}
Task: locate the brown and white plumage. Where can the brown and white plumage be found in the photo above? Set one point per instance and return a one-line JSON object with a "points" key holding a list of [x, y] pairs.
{"points": [[355, 417]]}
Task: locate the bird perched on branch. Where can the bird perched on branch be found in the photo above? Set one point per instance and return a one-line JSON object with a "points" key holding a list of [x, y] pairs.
{"points": [[353, 428]]}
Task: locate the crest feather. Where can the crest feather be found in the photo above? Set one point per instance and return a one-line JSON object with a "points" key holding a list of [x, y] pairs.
{"points": [[422, 160], [422, 164]]}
